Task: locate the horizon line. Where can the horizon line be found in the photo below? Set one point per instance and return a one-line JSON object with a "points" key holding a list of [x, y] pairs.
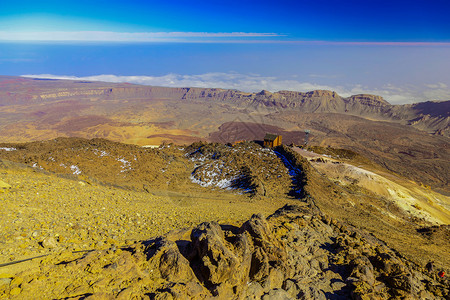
{"points": [[190, 37]]}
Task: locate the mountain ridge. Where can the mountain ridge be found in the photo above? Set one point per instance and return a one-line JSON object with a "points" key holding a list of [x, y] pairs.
{"points": [[430, 116]]}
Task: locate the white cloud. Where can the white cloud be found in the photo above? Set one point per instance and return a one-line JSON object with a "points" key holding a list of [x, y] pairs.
{"points": [[183, 37], [437, 94], [438, 85], [255, 83], [110, 36], [322, 76]]}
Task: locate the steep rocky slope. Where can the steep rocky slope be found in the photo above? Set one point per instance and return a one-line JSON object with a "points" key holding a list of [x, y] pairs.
{"points": [[91, 232], [246, 168], [112, 163], [382, 216]]}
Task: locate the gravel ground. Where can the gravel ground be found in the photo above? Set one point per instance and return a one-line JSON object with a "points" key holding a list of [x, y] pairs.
{"points": [[43, 213]]}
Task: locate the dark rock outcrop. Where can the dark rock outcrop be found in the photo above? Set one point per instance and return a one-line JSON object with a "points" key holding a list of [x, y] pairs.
{"points": [[293, 254]]}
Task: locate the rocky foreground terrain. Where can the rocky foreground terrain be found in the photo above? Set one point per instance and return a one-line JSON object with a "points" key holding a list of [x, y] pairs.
{"points": [[293, 254], [95, 219]]}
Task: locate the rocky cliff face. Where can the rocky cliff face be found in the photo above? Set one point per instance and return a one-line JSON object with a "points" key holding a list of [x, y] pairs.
{"points": [[369, 100], [433, 116]]}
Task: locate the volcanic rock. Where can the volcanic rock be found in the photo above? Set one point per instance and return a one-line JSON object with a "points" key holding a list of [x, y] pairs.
{"points": [[293, 254]]}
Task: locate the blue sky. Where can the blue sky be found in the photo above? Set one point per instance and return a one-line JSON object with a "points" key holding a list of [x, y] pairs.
{"points": [[331, 20], [398, 49]]}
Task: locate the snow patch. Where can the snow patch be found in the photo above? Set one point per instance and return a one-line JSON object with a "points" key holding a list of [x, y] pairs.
{"points": [[223, 183], [100, 153], [35, 165], [7, 149], [126, 165], [75, 170]]}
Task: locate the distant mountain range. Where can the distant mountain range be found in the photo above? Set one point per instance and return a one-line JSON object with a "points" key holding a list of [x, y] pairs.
{"points": [[411, 139], [430, 116]]}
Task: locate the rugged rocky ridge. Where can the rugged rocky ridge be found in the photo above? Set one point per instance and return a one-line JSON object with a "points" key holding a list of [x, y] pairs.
{"points": [[295, 253], [246, 168], [432, 116]]}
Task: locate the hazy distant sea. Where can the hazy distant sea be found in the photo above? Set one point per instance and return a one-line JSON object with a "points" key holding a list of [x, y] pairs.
{"points": [[146, 59], [410, 72], [346, 63]]}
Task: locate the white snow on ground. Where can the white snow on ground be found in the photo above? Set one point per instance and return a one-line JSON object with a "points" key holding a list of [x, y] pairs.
{"points": [[7, 149], [126, 165], [210, 174], [293, 172], [125, 162], [75, 170], [212, 171], [223, 183], [100, 153], [199, 159], [35, 165]]}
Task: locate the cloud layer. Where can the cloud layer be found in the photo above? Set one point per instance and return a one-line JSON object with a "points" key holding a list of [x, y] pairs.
{"points": [[110, 36], [256, 83], [191, 37]]}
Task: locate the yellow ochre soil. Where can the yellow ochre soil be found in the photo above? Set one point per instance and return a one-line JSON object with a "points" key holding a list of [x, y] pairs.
{"points": [[70, 196], [44, 213]]}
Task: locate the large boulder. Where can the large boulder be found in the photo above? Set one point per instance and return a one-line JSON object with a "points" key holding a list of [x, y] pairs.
{"points": [[220, 263]]}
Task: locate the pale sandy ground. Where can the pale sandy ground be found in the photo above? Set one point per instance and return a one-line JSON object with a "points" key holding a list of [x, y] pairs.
{"points": [[416, 200]]}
